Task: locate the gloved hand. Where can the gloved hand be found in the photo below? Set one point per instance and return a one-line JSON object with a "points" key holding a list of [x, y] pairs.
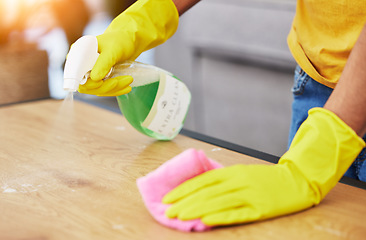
{"points": [[144, 25], [116, 86], [322, 150]]}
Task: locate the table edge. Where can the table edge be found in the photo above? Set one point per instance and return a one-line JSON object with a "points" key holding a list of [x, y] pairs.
{"points": [[212, 140], [255, 153]]}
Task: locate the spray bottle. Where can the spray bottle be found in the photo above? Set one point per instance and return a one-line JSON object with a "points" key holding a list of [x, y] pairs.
{"points": [[158, 102]]}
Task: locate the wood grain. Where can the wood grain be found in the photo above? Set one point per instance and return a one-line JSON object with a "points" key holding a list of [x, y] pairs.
{"points": [[68, 171]]}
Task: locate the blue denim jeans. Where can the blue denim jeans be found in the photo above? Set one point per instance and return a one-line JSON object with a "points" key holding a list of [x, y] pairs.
{"points": [[307, 94]]}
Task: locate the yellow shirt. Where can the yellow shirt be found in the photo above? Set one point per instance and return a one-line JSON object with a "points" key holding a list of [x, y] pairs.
{"points": [[323, 34]]}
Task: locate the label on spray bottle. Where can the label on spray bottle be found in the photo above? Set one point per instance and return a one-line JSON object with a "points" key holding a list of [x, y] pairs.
{"points": [[169, 108]]}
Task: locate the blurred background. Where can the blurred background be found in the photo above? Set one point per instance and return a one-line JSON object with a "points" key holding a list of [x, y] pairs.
{"points": [[232, 54]]}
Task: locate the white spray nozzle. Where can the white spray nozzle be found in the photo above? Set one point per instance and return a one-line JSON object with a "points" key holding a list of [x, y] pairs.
{"points": [[80, 60]]}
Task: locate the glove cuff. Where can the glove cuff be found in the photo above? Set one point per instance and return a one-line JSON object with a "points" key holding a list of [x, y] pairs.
{"points": [[322, 150], [152, 22]]}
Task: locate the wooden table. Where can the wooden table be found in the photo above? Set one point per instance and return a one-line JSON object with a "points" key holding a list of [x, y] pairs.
{"points": [[68, 171]]}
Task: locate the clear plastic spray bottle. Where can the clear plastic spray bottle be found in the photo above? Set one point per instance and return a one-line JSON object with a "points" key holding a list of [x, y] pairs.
{"points": [[158, 102]]}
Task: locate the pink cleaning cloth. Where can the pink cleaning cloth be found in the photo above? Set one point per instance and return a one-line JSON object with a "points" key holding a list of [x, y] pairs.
{"points": [[169, 175]]}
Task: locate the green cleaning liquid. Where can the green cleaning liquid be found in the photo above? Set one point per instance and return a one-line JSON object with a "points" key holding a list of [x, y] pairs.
{"points": [[158, 102]]}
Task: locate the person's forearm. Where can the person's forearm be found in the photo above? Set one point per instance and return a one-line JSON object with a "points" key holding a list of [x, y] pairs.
{"points": [[184, 5], [348, 99]]}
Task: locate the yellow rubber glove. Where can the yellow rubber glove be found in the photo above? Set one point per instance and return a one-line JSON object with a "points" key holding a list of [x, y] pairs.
{"points": [[322, 150], [107, 88], [144, 25]]}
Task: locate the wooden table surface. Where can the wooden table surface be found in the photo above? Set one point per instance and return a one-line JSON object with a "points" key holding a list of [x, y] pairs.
{"points": [[68, 171]]}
